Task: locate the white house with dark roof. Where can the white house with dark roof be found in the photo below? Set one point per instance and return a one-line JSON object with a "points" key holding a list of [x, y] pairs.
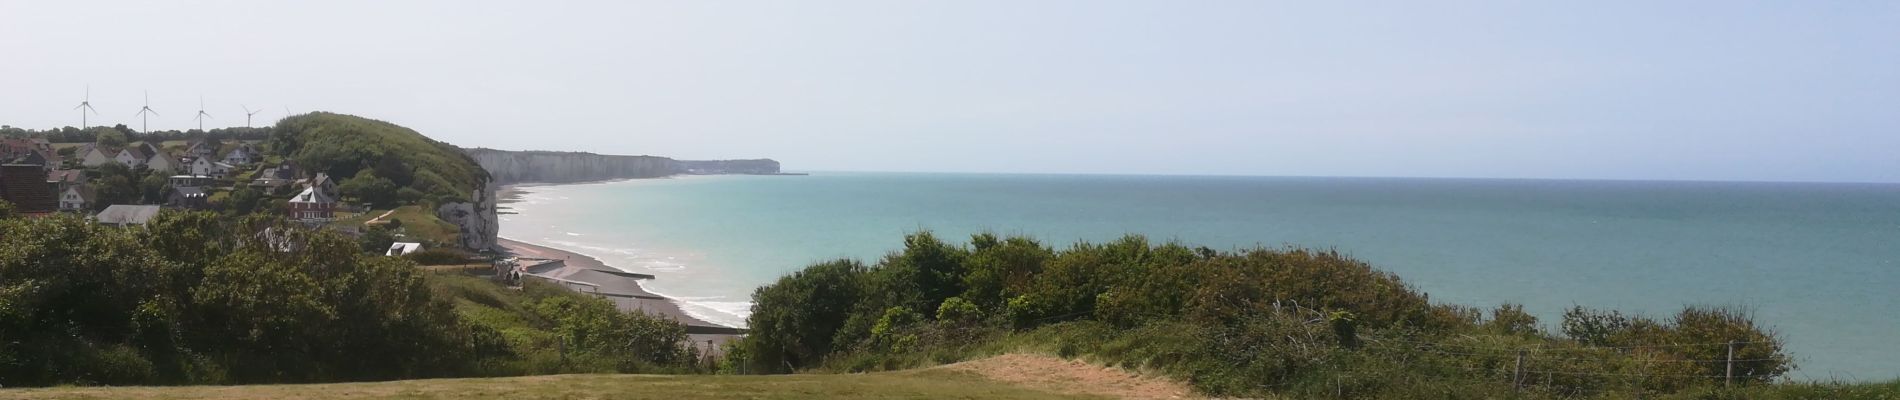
{"points": [[401, 248], [244, 154], [207, 167], [189, 197], [129, 157], [77, 198], [92, 155]]}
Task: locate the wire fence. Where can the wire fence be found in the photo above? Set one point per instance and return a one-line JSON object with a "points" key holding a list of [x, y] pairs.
{"points": [[1564, 369]]}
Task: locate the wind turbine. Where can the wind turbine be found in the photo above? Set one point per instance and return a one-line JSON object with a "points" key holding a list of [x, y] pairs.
{"points": [[201, 114], [248, 113], [84, 106], [147, 109]]}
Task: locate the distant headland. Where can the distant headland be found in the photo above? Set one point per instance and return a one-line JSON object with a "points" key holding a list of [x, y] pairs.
{"points": [[512, 167]]}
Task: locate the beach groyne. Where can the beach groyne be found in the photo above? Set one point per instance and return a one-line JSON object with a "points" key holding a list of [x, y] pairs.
{"points": [[512, 167]]}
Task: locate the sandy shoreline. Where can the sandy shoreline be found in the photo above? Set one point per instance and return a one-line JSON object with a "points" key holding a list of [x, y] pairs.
{"points": [[699, 329], [668, 308]]}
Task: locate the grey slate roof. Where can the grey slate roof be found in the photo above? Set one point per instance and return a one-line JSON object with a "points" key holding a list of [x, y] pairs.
{"points": [[126, 214]]}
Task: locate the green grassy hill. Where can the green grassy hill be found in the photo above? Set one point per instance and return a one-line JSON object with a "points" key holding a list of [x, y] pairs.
{"points": [[385, 166], [351, 147]]}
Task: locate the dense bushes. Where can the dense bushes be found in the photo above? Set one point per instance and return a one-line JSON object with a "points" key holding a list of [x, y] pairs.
{"points": [[194, 299], [187, 301], [1247, 322], [437, 256], [808, 309]]}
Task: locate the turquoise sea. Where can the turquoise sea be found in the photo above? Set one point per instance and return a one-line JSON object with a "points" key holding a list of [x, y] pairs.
{"points": [[1818, 262]]}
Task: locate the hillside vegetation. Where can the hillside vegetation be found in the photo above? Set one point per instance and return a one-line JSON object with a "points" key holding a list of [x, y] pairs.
{"points": [[194, 299], [1258, 322], [379, 162]]}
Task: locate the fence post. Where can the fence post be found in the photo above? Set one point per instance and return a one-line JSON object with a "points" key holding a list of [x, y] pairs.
{"points": [[1642, 377], [1517, 371], [1729, 376]]}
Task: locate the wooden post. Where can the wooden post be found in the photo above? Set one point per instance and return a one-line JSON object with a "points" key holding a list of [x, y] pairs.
{"points": [[1642, 377], [1729, 377], [1517, 371]]}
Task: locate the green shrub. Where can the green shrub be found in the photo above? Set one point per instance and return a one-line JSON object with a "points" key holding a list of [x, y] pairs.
{"points": [[794, 320], [955, 311], [1510, 319], [437, 256], [891, 331]]}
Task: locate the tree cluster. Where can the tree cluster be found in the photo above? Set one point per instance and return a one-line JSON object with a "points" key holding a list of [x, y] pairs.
{"points": [[119, 135], [193, 299]]}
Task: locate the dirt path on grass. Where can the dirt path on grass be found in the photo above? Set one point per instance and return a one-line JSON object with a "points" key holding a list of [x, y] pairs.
{"points": [[372, 221], [1071, 376]]}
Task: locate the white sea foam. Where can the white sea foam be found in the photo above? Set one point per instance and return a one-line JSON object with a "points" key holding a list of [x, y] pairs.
{"points": [[728, 313], [713, 309]]}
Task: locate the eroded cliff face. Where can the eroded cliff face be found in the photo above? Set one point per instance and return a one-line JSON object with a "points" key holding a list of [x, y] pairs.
{"points": [[511, 167], [477, 218]]}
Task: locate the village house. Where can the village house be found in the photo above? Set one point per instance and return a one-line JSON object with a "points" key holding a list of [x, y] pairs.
{"points": [[162, 162], [244, 154], [29, 151], [132, 157], [16, 148], [77, 198], [147, 155], [189, 197], [25, 187], [47, 161], [402, 248], [93, 155], [205, 166], [203, 149], [62, 179], [271, 178], [189, 181], [312, 205], [321, 182], [275, 177], [11, 148], [122, 215]]}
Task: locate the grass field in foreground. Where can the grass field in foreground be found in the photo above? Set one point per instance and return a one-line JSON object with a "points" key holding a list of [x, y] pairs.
{"points": [[916, 384]]}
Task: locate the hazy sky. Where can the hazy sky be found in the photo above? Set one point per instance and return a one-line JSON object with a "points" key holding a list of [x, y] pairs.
{"points": [[1728, 90]]}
